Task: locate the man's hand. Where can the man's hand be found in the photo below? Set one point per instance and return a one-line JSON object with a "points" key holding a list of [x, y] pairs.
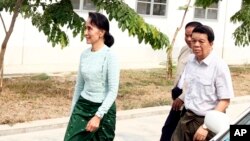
{"points": [[177, 104], [93, 124], [200, 134]]}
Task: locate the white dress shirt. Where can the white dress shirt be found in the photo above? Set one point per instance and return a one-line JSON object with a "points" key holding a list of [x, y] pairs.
{"points": [[206, 83]]}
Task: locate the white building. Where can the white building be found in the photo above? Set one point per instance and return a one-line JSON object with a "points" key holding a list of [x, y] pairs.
{"points": [[29, 52]]}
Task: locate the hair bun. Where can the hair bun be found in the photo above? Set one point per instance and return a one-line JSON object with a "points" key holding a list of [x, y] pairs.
{"points": [[108, 39]]}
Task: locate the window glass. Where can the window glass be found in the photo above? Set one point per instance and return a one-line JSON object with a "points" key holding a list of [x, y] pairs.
{"points": [[214, 5], [245, 120], [143, 8], [159, 9], [210, 12], [88, 5], [152, 7], [160, 1], [76, 4], [83, 5], [199, 13], [144, 0]]}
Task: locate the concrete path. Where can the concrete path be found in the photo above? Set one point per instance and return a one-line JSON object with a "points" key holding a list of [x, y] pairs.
{"points": [[132, 125], [135, 129]]}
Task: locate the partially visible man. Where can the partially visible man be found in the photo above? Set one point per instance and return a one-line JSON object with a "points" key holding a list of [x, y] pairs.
{"points": [[208, 86], [175, 113]]}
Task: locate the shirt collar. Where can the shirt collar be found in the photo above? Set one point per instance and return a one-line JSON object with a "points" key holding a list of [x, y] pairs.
{"points": [[207, 60]]}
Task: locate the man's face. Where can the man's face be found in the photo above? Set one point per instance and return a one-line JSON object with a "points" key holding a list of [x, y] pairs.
{"points": [[200, 45], [188, 35]]}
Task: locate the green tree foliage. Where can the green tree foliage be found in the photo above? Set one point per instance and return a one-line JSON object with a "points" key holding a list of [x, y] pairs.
{"points": [[242, 32], [205, 3], [52, 17], [129, 20]]}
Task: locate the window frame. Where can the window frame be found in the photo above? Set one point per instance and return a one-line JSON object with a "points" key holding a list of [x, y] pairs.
{"points": [[206, 12], [152, 3], [81, 9]]}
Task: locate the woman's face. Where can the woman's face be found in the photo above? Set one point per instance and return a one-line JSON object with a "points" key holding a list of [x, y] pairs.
{"points": [[92, 33]]}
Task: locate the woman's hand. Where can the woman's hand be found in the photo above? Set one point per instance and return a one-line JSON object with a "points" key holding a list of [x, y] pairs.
{"points": [[93, 124]]}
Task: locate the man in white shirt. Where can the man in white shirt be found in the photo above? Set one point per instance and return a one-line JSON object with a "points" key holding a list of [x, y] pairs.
{"points": [[175, 113], [207, 84]]}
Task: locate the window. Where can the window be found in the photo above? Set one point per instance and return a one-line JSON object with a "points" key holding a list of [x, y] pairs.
{"points": [[152, 7], [243, 119], [83, 5], [210, 12]]}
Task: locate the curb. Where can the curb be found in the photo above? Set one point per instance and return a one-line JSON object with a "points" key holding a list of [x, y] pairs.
{"points": [[40, 125]]}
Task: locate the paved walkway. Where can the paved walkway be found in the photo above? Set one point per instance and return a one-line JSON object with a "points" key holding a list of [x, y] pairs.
{"points": [[132, 125]]}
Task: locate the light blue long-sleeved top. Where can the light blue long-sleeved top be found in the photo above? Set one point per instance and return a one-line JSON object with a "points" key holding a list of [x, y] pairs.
{"points": [[98, 78]]}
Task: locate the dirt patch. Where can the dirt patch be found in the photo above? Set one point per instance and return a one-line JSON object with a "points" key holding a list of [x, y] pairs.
{"points": [[43, 96]]}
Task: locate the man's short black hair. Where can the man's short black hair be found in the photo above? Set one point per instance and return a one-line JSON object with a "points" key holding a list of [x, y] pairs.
{"points": [[204, 29], [193, 24]]}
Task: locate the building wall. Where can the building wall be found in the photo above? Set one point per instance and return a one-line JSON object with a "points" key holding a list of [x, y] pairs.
{"points": [[29, 52]]}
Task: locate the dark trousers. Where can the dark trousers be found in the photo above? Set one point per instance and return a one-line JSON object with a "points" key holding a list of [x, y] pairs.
{"points": [[170, 124], [187, 127]]}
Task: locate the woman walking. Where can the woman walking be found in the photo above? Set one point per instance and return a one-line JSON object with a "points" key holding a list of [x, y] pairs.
{"points": [[93, 111]]}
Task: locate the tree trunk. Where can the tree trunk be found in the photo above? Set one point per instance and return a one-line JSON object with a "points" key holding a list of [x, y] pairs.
{"points": [[7, 37], [170, 48]]}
